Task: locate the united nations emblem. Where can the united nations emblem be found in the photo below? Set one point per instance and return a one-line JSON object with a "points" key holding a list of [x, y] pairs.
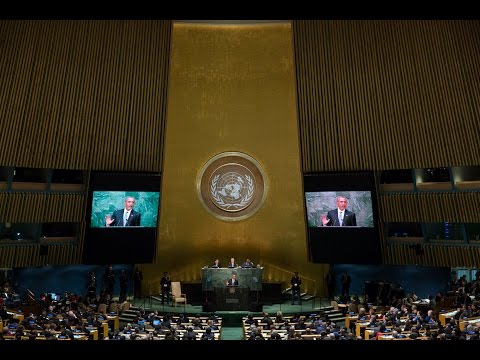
{"points": [[231, 186], [232, 190]]}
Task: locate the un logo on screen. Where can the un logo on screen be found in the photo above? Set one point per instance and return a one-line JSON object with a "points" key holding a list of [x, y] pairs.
{"points": [[231, 186]]}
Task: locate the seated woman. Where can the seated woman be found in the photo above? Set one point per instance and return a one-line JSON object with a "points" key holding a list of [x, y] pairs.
{"points": [[216, 264]]}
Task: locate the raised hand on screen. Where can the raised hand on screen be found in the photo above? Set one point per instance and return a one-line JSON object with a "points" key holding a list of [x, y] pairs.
{"points": [[325, 220], [108, 220]]}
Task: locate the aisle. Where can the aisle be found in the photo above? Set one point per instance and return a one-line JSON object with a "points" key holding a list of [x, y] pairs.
{"points": [[231, 333]]}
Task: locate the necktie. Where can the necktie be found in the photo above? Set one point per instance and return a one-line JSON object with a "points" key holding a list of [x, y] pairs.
{"points": [[126, 219], [341, 218]]}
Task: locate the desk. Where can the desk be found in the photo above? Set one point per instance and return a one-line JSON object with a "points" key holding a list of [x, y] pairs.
{"points": [[446, 315], [469, 321], [247, 278], [232, 298]]}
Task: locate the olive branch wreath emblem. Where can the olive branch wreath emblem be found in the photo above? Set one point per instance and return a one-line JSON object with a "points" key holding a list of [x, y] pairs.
{"points": [[216, 197]]}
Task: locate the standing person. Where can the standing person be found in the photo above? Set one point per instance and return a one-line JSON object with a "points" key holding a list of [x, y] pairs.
{"points": [[92, 278], [346, 280], [123, 279], [330, 280], [296, 282], [109, 279], [340, 216], [166, 285], [233, 281], [91, 293], [126, 216], [137, 283]]}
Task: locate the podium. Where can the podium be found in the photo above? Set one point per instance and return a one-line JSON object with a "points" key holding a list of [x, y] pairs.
{"points": [[232, 298]]}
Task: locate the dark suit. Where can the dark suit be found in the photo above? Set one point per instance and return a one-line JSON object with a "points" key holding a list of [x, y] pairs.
{"points": [[232, 282], [349, 218], [133, 219], [137, 284]]}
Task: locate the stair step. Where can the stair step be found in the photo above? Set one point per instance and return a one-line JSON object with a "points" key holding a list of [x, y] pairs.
{"points": [[156, 298]]}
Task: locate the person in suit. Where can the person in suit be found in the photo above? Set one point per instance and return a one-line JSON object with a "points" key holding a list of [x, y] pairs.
{"points": [[330, 280], [232, 263], [166, 286], [109, 277], [247, 264], [126, 216], [123, 279], [295, 282], [233, 281], [216, 264], [346, 281], [137, 283], [340, 216]]}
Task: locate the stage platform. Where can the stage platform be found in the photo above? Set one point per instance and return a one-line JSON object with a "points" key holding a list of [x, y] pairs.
{"points": [[307, 307]]}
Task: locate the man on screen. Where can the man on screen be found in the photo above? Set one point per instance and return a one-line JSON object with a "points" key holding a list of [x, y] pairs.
{"points": [[126, 216], [340, 216]]}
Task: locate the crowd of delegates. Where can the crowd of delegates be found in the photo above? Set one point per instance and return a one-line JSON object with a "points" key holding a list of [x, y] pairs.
{"points": [[392, 317], [58, 319], [395, 323], [8, 296], [154, 326], [67, 318]]}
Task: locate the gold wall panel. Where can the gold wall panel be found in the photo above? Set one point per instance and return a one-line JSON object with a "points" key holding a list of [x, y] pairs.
{"points": [[232, 88]]}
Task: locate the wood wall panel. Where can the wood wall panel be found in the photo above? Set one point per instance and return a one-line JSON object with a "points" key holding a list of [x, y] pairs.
{"points": [[24, 255], [25, 207], [440, 256], [383, 94], [457, 207], [83, 94]]}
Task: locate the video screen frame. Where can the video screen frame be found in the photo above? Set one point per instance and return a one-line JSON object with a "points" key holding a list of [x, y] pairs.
{"points": [[106, 203], [319, 203], [338, 244], [121, 244]]}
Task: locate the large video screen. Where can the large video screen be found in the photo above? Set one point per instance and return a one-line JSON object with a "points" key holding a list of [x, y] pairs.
{"points": [[113, 205], [341, 217], [122, 218], [324, 205]]}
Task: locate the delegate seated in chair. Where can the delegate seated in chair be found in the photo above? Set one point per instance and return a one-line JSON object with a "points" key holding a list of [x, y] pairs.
{"points": [[177, 296]]}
